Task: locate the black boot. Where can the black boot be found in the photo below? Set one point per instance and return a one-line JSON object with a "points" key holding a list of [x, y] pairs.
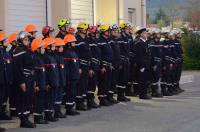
{"points": [[49, 117], [111, 99], [136, 90], [3, 113], [58, 113], [90, 101], [145, 96], [80, 105], [71, 111], [13, 113], [178, 89], [25, 122], [155, 91], [2, 129], [172, 90], [39, 119], [145, 93], [104, 102], [129, 90], [121, 96], [164, 90]]}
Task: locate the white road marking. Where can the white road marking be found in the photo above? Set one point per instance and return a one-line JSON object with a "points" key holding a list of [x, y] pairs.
{"points": [[187, 79]]}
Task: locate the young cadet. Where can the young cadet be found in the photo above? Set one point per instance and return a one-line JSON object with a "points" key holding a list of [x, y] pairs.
{"points": [[2, 37], [125, 57], [71, 62], [84, 53], [59, 45], [167, 65], [37, 47], [12, 40], [171, 79], [106, 66], [95, 65], [24, 78], [117, 64], [179, 58], [52, 77], [32, 29], [156, 63], [6, 76]]}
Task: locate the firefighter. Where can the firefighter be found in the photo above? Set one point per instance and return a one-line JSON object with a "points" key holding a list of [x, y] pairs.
{"points": [[106, 66], [52, 77], [63, 25], [6, 75], [131, 89], [125, 57], [156, 63], [85, 56], [179, 58], [143, 63], [168, 61], [47, 31], [174, 53], [1, 129], [32, 29], [12, 40], [71, 62], [24, 78], [117, 63], [37, 47], [95, 65], [59, 43]]}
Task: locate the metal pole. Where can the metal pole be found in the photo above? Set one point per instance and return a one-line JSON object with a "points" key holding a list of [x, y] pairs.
{"points": [[46, 12]]}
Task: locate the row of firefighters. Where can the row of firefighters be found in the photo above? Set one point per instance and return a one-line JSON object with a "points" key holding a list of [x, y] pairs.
{"points": [[38, 75]]}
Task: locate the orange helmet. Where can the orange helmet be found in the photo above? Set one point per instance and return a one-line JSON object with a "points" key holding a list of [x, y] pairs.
{"points": [[12, 37], [30, 28], [59, 42], [3, 36], [69, 38], [48, 41], [37, 43]]}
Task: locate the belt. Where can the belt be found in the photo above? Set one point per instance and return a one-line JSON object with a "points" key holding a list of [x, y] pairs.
{"points": [[50, 65], [40, 68]]}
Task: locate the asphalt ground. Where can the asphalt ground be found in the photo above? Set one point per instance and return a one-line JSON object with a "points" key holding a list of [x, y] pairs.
{"points": [[180, 113]]}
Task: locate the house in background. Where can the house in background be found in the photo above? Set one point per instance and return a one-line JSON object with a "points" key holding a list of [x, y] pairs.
{"points": [[14, 14]]}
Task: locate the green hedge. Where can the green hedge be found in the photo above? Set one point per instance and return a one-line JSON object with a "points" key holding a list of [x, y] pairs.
{"points": [[191, 47]]}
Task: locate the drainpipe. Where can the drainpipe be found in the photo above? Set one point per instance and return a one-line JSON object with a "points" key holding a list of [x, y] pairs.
{"points": [[142, 12], [118, 6], [46, 12]]}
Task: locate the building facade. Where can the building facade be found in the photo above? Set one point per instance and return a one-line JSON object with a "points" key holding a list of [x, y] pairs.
{"points": [[14, 14]]}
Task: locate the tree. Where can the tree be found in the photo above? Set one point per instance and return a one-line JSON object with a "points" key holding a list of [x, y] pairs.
{"points": [[161, 23], [192, 12], [160, 15]]}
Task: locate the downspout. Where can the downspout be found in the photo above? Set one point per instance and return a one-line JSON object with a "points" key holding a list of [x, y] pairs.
{"points": [[46, 12]]}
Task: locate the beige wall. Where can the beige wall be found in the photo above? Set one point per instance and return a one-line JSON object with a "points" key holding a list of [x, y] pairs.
{"points": [[2, 14], [59, 10], [106, 11], [140, 11]]}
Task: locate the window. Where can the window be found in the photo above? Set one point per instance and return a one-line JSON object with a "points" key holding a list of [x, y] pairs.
{"points": [[132, 16]]}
